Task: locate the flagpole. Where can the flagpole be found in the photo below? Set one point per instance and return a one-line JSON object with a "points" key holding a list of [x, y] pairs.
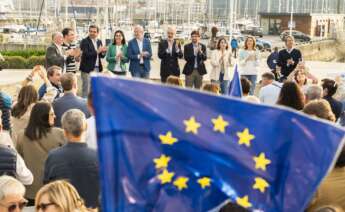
{"points": [[291, 17]]}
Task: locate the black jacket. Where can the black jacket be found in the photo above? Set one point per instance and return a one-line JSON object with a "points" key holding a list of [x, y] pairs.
{"points": [[190, 59], [169, 61], [89, 55], [78, 164], [284, 56], [8, 161]]}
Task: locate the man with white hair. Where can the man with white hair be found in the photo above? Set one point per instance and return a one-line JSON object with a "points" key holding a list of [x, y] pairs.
{"points": [[11, 195], [55, 54], [169, 51], [314, 92], [139, 53], [75, 161]]}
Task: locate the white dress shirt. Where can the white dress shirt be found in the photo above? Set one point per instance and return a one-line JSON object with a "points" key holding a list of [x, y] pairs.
{"points": [[91, 138], [23, 174], [94, 42], [270, 93], [140, 45]]}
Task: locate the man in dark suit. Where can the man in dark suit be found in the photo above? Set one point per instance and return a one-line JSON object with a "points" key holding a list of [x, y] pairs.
{"points": [[139, 53], [169, 51], [92, 52], [195, 54], [55, 55], [70, 100]]}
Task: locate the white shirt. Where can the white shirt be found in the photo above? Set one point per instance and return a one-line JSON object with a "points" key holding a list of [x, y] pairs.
{"points": [[140, 45], [270, 93], [23, 174], [249, 67], [91, 138], [94, 42]]}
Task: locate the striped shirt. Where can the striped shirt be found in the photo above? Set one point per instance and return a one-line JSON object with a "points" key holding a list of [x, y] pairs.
{"points": [[71, 65]]}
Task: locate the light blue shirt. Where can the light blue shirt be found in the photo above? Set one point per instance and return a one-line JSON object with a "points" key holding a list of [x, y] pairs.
{"points": [[196, 56]]}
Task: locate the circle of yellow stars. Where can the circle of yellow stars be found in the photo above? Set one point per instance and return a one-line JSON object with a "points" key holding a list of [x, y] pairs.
{"points": [[219, 125]]}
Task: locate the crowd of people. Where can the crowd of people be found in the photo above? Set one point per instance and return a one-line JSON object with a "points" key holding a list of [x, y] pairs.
{"points": [[47, 134]]}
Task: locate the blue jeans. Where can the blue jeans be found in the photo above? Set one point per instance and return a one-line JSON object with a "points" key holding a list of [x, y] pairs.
{"points": [[252, 79], [223, 84], [141, 73]]}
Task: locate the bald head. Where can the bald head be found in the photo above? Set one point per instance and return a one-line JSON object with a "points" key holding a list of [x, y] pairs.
{"points": [[139, 32], [57, 38], [171, 32]]}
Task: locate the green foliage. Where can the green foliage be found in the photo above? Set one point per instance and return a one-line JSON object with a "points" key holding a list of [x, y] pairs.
{"points": [[24, 53], [18, 62], [35, 60]]}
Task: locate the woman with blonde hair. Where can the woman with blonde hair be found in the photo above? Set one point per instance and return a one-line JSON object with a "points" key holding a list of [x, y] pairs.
{"points": [[249, 61], [59, 196]]}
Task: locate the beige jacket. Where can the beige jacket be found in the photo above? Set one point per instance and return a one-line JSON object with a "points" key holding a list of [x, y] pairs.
{"points": [[35, 154], [216, 65]]}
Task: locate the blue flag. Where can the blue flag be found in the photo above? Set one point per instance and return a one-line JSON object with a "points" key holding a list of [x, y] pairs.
{"points": [[235, 88], [164, 148]]}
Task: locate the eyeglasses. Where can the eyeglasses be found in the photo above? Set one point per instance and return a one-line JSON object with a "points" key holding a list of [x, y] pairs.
{"points": [[44, 206], [14, 206]]}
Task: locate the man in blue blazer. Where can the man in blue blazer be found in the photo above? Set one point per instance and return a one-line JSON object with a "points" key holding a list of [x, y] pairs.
{"points": [[139, 54]]}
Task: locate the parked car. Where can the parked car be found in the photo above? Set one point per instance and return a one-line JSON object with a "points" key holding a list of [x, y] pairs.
{"points": [[263, 45], [254, 31], [299, 36]]}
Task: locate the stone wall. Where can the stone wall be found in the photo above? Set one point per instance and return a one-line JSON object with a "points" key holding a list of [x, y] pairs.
{"points": [[327, 50]]}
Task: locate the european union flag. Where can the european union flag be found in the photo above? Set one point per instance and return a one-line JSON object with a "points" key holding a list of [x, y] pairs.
{"points": [[235, 88], [164, 148]]}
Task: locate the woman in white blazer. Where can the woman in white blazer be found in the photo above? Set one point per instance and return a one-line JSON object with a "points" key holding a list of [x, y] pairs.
{"points": [[249, 62], [221, 62]]}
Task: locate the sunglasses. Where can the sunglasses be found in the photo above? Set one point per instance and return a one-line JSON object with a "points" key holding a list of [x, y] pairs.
{"points": [[14, 206], [44, 206]]}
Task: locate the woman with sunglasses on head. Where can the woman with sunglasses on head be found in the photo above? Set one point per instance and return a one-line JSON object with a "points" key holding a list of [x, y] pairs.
{"points": [[59, 196], [36, 141], [117, 54], [11, 195]]}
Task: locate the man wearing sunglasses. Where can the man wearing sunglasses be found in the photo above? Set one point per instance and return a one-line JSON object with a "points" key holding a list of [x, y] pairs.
{"points": [[11, 195]]}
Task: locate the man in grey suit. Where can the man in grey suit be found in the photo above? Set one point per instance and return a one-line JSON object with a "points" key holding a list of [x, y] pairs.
{"points": [[70, 100], [55, 54]]}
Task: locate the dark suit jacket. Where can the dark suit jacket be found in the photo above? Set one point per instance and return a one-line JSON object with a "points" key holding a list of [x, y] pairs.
{"points": [[89, 55], [54, 57], [169, 62], [67, 102], [190, 58], [78, 164], [133, 51]]}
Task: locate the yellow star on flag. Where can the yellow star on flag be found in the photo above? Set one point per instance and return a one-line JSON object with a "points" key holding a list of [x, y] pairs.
{"points": [[261, 162], [161, 162], [192, 125], [244, 202], [204, 182], [219, 124], [260, 184], [181, 183], [168, 139], [245, 137], [166, 176]]}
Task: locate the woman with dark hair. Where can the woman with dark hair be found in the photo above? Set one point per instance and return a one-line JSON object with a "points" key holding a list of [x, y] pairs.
{"points": [[330, 87], [27, 98], [249, 61], [117, 54], [36, 141], [291, 96], [221, 62]]}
